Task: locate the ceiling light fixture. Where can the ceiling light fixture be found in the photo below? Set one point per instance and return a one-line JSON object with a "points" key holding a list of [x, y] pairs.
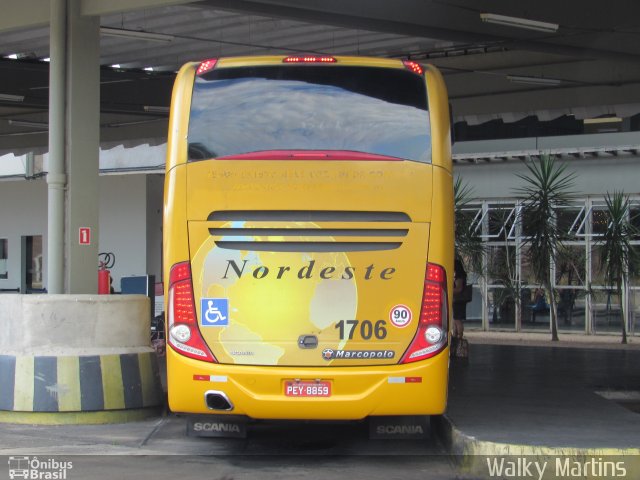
{"points": [[130, 124], [519, 22], [156, 109], [597, 120], [524, 80], [11, 98], [136, 34], [27, 123]]}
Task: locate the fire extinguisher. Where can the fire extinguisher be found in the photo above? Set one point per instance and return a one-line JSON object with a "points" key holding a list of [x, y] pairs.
{"points": [[106, 261]]}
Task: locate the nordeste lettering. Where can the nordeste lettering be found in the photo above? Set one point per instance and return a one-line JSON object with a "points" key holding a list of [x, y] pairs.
{"points": [[307, 271]]}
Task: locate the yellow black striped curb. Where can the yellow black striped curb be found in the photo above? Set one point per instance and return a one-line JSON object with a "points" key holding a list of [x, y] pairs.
{"points": [[89, 383]]}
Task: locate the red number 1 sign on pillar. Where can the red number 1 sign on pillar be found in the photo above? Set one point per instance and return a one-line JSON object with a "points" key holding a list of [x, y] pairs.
{"points": [[84, 236]]}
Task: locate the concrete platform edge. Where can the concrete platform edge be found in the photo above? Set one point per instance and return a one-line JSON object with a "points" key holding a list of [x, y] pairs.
{"points": [[80, 418], [471, 453]]}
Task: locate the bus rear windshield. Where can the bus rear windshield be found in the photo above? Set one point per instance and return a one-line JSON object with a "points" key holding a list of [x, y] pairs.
{"points": [[372, 110]]}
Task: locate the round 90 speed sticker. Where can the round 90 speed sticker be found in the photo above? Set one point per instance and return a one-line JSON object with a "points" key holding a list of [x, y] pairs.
{"points": [[400, 316]]}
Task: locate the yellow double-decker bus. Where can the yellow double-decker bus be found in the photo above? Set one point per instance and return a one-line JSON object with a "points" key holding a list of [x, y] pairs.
{"points": [[308, 238]]}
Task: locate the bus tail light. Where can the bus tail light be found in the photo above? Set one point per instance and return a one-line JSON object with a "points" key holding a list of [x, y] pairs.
{"points": [[415, 67], [431, 336], [183, 333], [207, 65]]}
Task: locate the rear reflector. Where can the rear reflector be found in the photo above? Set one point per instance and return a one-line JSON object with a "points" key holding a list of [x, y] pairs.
{"points": [[309, 59], [405, 380], [210, 378]]}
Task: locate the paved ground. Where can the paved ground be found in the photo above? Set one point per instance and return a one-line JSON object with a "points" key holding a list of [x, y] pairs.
{"points": [[159, 449], [540, 403], [546, 396], [543, 339]]}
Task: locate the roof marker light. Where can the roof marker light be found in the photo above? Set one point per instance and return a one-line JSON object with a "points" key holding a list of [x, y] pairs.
{"points": [[309, 59], [414, 67], [207, 65]]}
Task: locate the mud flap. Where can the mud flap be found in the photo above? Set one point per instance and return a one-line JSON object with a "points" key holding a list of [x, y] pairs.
{"points": [[221, 426], [399, 428]]}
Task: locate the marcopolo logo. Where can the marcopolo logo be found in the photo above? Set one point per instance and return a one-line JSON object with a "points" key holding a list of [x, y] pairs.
{"points": [[330, 354], [38, 469]]}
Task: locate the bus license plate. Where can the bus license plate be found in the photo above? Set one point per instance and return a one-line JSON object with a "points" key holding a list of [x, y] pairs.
{"points": [[307, 389]]}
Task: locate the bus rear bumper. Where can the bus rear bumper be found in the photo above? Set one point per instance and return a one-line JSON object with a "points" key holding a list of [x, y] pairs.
{"points": [[258, 392]]}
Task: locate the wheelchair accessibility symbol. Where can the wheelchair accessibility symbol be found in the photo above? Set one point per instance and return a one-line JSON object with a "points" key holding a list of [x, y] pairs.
{"points": [[214, 312]]}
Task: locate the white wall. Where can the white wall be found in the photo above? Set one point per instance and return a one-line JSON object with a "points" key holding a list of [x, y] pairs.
{"points": [[23, 212], [122, 230], [595, 176], [11, 164], [123, 225], [155, 193]]}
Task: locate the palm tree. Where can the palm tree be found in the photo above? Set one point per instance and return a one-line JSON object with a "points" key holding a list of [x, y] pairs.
{"points": [[468, 244], [618, 259], [547, 186], [501, 268]]}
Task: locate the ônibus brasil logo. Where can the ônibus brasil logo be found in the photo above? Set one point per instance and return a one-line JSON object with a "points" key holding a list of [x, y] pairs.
{"points": [[38, 469]]}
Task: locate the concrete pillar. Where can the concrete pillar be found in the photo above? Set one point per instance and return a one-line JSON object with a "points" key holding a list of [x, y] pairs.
{"points": [[82, 148], [56, 178], [74, 135]]}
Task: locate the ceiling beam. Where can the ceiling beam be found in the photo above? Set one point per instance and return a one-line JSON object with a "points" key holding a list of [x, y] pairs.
{"points": [[351, 14], [35, 13], [407, 17], [26, 13], [102, 7]]}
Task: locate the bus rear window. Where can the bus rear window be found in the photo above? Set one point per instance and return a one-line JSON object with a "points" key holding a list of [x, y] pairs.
{"points": [[372, 110]]}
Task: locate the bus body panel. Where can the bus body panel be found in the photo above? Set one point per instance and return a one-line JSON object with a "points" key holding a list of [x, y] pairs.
{"points": [[357, 392], [377, 186], [344, 300], [204, 205], [440, 119]]}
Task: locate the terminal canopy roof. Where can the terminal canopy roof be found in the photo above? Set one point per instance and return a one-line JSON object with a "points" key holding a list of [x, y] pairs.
{"points": [[501, 59]]}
